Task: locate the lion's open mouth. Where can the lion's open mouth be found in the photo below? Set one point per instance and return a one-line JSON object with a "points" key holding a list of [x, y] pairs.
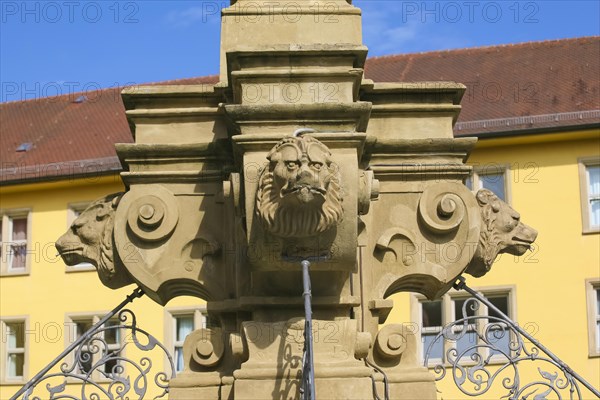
{"points": [[303, 189], [76, 250], [305, 194], [71, 255], [519, 246]]}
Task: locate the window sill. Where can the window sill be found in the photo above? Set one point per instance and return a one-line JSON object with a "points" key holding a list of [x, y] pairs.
{"points": [[20, 381], [590, 231], [15, 273], [594, 355]]}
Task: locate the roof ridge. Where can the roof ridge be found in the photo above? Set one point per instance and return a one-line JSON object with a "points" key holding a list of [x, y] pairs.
{"points": [[519, 44]]}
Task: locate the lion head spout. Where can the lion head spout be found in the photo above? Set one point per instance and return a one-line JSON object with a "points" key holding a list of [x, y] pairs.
{"points": [[299, 193], [90, 239], [501, 232]]}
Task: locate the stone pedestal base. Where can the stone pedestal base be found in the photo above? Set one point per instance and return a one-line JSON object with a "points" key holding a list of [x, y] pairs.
{"points": [[327, 388]]}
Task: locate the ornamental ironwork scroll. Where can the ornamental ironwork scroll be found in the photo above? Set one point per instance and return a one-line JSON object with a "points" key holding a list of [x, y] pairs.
{"points": [[95, 368], [500, 354]]}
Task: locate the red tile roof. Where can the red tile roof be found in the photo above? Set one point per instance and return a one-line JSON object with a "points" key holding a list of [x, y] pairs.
{"points": [[509, 87], [68, 138], [508, 81]]}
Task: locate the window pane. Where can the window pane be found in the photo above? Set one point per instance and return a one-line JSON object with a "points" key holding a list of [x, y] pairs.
{"points": [[467, 342], [432, 313], [594, 212], [598, 335], [16, 335], [185, 325], [112, 336], [82, 327], [15, 365], [598, 302], [499, 339], [110, 366], [500, 302], [179, 359], [495, 183], [18, 254], [593, 172], [437, 350], [19, 229], [458, 309]]}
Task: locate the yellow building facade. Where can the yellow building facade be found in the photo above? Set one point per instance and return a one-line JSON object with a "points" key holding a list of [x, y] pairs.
{"points": [[549, 288], [550, 175]]}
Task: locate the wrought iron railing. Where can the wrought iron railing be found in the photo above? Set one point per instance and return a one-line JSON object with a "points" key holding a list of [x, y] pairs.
{"points": [[92, 368], [488, 360]]}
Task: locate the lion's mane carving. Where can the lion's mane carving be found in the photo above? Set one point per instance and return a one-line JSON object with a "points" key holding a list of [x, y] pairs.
{"points": [[501, 232], [90, 239], [299, 193]]}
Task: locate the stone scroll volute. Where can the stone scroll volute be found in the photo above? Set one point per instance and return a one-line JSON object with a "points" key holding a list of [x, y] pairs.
{"points": [[429, 241], [159, 247]]}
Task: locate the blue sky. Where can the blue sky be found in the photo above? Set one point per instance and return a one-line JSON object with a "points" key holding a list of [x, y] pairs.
{"points": [[59, 47]]}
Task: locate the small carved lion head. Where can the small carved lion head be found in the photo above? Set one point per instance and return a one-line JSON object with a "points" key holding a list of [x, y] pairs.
{"points": [[90, 239], [299, 193], [501, 232]]}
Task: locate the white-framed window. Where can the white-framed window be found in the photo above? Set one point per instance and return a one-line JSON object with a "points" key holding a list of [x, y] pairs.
{"points": [[15, 238], [180, 322], [493, 177], [593, 309], [74, 210], [13, 349], [433, 316], [589, 184], [110, 344]]}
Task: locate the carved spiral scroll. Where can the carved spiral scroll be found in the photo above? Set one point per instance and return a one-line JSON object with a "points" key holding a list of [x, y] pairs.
{"points": [[442, 208], [206, 346], [391, 341], [152, 217]]}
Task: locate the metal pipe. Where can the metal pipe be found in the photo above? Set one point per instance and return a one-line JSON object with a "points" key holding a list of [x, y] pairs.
{"points": [[302, 131], [308, 372]]}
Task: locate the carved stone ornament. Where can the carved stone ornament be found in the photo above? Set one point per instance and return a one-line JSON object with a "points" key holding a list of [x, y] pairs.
{"points": [[230, 186], [501, 232], [299, 193], [90, 239], [203, 348]]}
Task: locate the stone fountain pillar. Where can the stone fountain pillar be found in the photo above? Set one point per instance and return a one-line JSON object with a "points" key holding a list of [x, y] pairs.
{"points": [[294, 155]]}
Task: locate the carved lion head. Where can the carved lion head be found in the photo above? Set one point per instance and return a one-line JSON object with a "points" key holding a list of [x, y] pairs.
{"points": [[501, 232], [90, 239], [299, 193]]}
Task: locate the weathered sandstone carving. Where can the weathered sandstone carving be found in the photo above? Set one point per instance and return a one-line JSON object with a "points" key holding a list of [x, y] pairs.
{"points": [[501, 232], [299, 192], [90, 239], [202, 217]]}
